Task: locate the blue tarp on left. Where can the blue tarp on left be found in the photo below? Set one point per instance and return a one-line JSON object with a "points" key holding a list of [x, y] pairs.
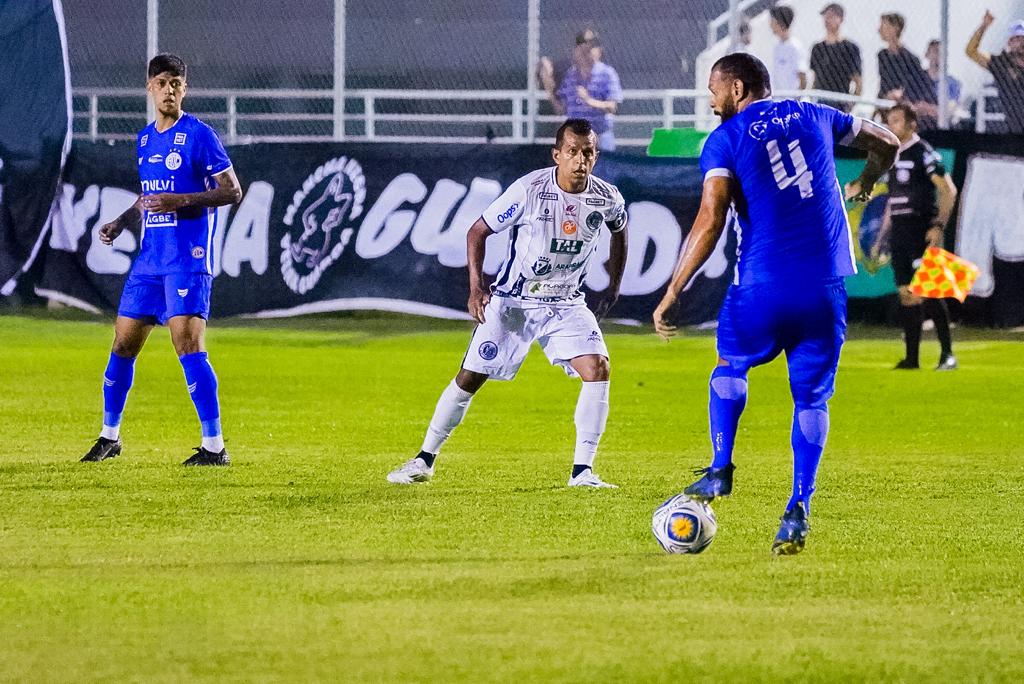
{"points": [[35, 127]]}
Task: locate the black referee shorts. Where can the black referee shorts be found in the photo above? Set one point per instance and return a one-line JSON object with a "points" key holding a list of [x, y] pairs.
{"points": [[906, 245]]}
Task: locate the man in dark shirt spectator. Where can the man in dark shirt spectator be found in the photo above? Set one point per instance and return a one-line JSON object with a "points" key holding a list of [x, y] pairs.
{"points": [[1007, 69], [900, 74], [836, 61]]}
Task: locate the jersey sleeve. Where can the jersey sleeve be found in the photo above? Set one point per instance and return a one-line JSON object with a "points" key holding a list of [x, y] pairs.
{"points": [[933, 165], [507, 209], [844, 127], [716, 159], [211, 158], [614, 86], [616, 218]]}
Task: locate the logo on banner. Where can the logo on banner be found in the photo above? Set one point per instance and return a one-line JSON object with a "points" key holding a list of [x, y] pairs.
{"points": [[329, 200]]}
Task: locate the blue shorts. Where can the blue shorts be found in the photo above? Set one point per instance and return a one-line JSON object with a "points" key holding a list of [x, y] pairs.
{"points": [[807, 321], [161, 297]]}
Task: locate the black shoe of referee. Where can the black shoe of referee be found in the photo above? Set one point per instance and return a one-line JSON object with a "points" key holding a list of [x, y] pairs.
{"points": [[102, 450], [906, 364], [205, 457]]}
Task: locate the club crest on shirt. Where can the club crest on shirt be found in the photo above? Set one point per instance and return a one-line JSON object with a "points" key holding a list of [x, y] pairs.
{"points": [[173, 161], [330, 199], [758, 130], [198, 252], [594, 219]]}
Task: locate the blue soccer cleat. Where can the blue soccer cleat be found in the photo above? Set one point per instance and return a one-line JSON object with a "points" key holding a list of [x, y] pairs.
{"points": [[792, 532], [715, 483]]}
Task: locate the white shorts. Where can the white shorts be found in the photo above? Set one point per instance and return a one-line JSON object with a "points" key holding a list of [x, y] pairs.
{"points": [[500, 344]]}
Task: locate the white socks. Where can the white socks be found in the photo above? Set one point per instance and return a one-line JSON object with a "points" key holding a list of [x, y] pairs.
{"points": [[110, 432], [591, 417], [451, 408], [214, 444]]}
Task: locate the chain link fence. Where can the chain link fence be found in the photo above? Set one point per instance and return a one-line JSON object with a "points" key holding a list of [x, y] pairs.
{"points": [[501, 70]]}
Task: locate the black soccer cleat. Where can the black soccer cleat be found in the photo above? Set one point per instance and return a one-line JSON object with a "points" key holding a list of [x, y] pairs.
{"points": [[205, 457], [715, 483], [906, 364], [102, 450]]}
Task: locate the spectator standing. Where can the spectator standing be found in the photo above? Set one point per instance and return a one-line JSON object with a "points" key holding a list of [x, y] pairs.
{"points": [[589, 90], [954, 89], [1007, 69], [836, 61], [789, 59], [899, 70]]}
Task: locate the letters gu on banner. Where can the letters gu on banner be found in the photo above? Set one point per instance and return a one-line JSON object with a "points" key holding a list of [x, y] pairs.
{"points": [[335, 227]]}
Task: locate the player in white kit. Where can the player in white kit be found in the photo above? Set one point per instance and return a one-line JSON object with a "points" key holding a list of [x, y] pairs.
{"points": [[555, 216]]}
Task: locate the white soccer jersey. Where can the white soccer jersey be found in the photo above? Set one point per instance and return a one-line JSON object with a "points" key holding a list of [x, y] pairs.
{"points": [[554, 235]]}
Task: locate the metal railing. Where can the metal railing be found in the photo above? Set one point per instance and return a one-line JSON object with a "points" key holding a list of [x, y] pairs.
{"points": [[426, 116]]}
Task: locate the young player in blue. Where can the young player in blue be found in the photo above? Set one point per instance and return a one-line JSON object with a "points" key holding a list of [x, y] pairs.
{"points": [[773, 162], [185, 175]]}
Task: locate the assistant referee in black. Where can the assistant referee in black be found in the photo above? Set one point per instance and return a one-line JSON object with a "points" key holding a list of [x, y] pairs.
{"points": [[921, 199]]}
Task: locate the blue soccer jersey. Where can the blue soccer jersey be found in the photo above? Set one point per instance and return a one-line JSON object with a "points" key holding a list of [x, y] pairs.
{"points": [[182, 159], [792, 220]]}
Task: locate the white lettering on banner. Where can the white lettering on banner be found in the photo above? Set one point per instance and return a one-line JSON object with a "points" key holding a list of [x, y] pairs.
{"points": [[68, 224], [385, 225], [482, 191], [991, 216], [114, 259], [650, 225], [248, 238], [428, 232]]}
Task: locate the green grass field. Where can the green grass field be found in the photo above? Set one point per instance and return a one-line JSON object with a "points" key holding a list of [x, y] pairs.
{"points": [[301, 562]]}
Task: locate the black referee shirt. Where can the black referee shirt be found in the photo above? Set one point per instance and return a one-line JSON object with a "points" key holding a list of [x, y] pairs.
{"points": [[912, 195]]}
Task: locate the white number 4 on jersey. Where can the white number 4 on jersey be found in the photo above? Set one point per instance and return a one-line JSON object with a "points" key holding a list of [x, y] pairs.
{"points": [[802, 176]]}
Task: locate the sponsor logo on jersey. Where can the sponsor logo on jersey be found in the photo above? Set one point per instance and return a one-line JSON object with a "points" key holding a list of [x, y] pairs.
{"points": [[570, 210], [563, 246], [548, 196], [179, 138], [595, 201], [571, 268], [145, 139], [508, 213], [155, 158], [182, 293], [594, 219], [758, 130], [140, 161], [594, 336], [488, 351], [168, 220], [328, 201], [542, 266], [173, 161], [569, 227], [198, 252]]}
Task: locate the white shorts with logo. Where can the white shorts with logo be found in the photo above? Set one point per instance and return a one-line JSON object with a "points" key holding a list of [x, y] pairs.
{"points": [[500, 344]]}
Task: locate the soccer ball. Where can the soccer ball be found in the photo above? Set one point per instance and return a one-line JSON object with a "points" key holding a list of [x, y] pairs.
{"points": [[682, 525]]}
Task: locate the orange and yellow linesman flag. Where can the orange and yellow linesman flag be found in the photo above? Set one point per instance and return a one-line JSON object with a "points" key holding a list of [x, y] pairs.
{"points": [[943, 274]]}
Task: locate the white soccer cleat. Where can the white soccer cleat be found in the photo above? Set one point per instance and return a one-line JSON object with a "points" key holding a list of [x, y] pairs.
{"points": [[588, 478], [411, 472]]}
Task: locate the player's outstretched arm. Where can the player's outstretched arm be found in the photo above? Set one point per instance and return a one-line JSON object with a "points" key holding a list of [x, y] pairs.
{"points": [[479, 295], [228, 191], [707, 229], [882, 146], [616, 265], [131, 217]]}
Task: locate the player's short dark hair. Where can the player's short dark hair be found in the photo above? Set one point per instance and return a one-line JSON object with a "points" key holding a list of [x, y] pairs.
{"points": [[897, 20], [577, 126], [166, 62], [745, 67], [909, 112], [783, 15]]}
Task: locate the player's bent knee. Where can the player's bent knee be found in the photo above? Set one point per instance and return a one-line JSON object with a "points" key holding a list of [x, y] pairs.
{"points": [[593, 368], [126, 349], [470, 381]]}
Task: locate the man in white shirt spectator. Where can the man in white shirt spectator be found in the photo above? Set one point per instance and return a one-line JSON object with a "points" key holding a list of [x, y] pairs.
{"points": [[789, 59]]}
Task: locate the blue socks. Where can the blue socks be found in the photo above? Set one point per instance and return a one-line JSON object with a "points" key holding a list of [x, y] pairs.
{"points": [[810, 430], [202, 386], [117, 380], [728, 398]]}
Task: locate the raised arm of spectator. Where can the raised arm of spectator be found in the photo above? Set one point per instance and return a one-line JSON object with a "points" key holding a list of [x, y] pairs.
{"points": [[546, 73], [974, 50]]}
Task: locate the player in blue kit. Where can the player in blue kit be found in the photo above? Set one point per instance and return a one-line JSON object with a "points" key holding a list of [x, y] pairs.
{"points": [[186, 175], [773, 162]]}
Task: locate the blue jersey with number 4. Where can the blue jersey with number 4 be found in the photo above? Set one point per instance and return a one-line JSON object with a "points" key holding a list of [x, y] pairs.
{"points": [[182, 159], [792, 218]]}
